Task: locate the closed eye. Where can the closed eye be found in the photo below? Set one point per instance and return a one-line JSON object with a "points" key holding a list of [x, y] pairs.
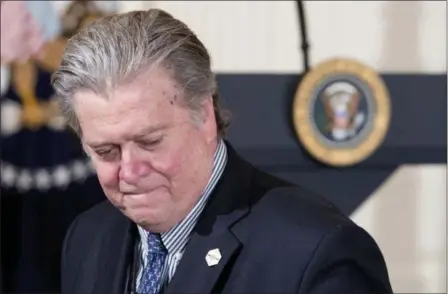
{"points": [[107, 154]]}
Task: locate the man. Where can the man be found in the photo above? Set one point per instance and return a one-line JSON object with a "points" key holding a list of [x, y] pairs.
{"points": [[185, 213]]}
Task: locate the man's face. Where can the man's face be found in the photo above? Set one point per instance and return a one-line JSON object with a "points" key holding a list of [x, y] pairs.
{"points": [[152, 160]]}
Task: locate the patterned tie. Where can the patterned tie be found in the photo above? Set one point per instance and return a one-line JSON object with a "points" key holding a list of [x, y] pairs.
{"points": [[151, 281]]}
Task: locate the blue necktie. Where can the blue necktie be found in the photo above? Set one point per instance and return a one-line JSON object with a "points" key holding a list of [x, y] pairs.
{"points": [[151, 280]]}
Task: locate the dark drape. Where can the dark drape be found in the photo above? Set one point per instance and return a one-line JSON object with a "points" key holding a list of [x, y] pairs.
{"points": [[33, 225], [46, 182]]}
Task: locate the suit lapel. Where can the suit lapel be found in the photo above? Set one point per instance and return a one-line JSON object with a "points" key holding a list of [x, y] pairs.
{"points": [[114, 256], [193, 275], [227, 205]]}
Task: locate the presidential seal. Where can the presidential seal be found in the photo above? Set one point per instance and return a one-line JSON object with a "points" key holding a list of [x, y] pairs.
{"points": [[341, 112]]}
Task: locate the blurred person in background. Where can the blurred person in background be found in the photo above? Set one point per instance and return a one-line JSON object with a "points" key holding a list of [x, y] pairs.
{"points": [[46, 178], [185, 213]]}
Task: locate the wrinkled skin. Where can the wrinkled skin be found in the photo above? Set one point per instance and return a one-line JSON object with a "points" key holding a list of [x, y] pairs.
{"points": [[152, 159]]}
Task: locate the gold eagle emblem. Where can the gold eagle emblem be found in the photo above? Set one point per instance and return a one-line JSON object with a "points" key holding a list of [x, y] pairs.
{"points": [[341, 112]]}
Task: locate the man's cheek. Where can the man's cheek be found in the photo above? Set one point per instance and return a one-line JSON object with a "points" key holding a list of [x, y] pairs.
{"points": [[167, 163], [107, 175]]}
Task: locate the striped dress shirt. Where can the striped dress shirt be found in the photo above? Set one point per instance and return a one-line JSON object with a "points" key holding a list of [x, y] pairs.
{"points": [[175, 240]]}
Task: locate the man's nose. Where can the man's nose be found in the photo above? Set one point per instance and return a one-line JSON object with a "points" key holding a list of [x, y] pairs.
{"points": [[133, 168]]}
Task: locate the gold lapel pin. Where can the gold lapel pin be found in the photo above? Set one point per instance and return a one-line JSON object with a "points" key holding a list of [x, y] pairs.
{"points": [[213, 257]]}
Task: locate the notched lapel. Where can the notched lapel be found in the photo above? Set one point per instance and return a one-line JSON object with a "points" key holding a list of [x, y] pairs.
{"points": [[193, 274], [228, 204]]}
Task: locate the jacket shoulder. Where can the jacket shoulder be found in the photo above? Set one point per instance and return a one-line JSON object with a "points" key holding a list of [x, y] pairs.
{"points": [[309, 236], [86, 225], [82, 242], [299, 207], [293, 209], [93, 219]]}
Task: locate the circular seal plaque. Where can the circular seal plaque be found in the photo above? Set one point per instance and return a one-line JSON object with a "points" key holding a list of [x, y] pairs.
{"points": [[341, 112]]}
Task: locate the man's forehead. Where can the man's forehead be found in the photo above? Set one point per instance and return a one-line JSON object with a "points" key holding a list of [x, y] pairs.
{"points": [[151, 88]]}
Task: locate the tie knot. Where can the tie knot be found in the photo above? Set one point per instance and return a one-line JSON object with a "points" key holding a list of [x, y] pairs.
{"points": [[155, 244]]}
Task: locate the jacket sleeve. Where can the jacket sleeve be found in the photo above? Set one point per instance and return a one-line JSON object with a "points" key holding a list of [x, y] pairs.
{"points": [[347, 260]]}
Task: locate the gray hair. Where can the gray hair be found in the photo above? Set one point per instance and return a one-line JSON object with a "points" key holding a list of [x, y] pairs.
{"points": [[116, 49]]}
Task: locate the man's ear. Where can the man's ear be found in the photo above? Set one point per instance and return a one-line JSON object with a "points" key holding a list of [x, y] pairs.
{"points": [[209, 119], [208, 109]]}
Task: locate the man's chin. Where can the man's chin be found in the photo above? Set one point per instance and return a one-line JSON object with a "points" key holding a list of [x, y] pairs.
{"points": [[144, 215], [150, 224], [151, 219]]}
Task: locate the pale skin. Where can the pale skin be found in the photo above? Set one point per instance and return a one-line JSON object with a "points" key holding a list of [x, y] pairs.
{"points": [[152, 159]]}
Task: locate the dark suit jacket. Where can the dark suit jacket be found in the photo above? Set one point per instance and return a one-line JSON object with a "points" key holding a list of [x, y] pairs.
{"points": [[274, 237]]}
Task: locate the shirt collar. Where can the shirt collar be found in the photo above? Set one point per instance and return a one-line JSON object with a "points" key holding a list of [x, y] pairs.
{"points": [[176, 238]]}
